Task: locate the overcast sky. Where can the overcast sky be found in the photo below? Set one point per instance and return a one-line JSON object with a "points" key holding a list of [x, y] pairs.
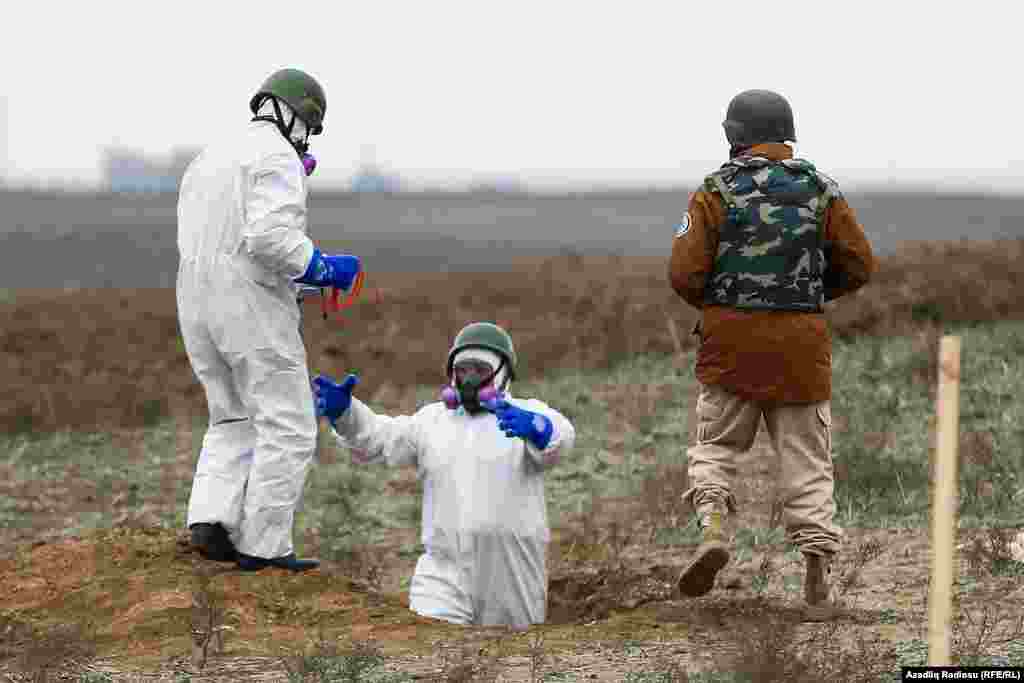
{"points": [[550, 90]]}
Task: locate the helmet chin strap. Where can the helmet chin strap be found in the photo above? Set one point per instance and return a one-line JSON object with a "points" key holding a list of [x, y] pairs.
{"points": [[301, 146]]}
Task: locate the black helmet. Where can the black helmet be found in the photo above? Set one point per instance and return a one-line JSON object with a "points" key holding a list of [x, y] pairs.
{"points": [[756, 116]]}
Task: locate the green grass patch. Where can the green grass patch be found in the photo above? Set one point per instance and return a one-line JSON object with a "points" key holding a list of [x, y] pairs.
{"points": [[94, 477], [357, 666], [629, 420], [623, 402], [884, 392]]}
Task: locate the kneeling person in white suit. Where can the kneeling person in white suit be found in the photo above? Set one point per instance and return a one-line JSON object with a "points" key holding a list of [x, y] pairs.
{"points": [[481, 455]]}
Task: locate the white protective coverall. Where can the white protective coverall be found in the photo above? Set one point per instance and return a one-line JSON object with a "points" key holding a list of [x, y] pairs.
{"points": [[242, 240], [484, 518]]}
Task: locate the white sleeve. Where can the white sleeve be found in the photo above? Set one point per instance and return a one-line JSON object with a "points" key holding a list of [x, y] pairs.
{"points": [[275, 216], [374, 438], [562, 438]]}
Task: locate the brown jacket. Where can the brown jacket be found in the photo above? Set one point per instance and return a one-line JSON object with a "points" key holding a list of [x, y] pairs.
{"points": [[766, 355]]}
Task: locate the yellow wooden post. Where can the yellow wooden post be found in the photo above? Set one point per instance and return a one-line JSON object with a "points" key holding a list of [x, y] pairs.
{"points": [[945, 495]]}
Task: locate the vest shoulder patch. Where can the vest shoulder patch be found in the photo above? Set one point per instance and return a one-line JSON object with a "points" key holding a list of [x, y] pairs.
{"points": [[683, 226]]}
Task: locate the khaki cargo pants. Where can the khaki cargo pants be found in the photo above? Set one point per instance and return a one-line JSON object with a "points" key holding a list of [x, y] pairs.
{"points": [[801, 434]]}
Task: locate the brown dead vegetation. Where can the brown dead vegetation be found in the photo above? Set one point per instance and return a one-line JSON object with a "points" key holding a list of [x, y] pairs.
{"points": [[93, 359]]}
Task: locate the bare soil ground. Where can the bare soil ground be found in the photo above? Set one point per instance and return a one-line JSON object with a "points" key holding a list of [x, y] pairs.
{"points": [[613, 609]]}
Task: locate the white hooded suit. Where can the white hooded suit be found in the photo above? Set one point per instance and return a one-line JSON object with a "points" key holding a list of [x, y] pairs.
{"points": [[242, 241]]}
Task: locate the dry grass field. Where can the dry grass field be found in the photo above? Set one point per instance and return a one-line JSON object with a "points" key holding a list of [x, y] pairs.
{"points": [[102, 419], [100, 358]]}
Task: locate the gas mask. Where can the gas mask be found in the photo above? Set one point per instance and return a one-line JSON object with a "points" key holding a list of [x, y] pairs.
{"points": [[295, 130], [474, 384]]}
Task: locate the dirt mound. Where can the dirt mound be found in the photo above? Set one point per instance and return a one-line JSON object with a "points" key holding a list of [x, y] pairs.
{"points": [[138, 593], [134, 599]]}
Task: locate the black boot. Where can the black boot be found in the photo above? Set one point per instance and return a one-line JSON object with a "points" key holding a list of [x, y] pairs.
{"points": [[212, 542], [254, 564]]}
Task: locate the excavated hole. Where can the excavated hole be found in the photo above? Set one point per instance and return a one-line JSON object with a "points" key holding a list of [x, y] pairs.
{"points": [[585, 596]]}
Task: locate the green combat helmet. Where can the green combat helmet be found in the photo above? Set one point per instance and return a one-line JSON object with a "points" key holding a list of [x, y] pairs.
{"points": [[485, 336], [302, 93], [757, 116]]}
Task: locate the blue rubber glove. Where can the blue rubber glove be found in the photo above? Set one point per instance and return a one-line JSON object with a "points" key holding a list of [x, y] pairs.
{"points": [[332, 400], [331, 271], [534, 427]]}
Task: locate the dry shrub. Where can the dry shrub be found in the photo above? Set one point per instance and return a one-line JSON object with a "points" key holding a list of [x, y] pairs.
{"points": [[325, 660], [768, 653], [924, 366], [91, 358], [771, 651], [662, 497], [992, 553], [939, 283], [980, 467], [45, 653], [978, 448], [469, 661], [864, 553], [978, 634]]}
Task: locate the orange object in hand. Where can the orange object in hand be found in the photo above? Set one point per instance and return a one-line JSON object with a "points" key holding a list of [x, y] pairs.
{"points": [[334, 304]]}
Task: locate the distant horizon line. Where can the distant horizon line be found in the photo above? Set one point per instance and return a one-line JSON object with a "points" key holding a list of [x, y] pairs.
{"points": [[496, 183], [528, 190]]}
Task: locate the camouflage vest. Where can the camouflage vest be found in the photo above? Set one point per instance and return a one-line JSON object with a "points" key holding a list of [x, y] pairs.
{"points": [[771, 250]]}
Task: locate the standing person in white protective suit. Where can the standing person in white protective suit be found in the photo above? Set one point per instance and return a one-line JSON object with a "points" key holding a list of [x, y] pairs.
{"points": [[481, 455], [243, 247]]}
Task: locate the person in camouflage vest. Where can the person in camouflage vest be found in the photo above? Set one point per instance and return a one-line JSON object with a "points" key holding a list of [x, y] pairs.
{"points": [[770, 249], [766, 241]]}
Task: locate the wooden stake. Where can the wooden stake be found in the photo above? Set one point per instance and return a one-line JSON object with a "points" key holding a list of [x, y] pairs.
{"points": [[945, 491]]}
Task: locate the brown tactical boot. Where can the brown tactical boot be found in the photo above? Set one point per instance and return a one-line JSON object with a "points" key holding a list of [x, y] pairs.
{"points": [[819, 590], [699, 576]]}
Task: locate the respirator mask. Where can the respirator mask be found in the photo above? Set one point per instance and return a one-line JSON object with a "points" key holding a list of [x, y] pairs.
{"points": [[291, 126], [473, 383]]}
